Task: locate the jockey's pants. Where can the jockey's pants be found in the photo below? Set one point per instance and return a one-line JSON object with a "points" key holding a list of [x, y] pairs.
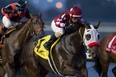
{"points": [[58, 31]]}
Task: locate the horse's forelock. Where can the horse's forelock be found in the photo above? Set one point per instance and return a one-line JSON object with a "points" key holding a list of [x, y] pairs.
{"points": [[87, 25], [38, 20]]}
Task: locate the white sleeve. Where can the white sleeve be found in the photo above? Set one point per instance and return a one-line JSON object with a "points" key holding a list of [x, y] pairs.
{"points": [[62, 25]]}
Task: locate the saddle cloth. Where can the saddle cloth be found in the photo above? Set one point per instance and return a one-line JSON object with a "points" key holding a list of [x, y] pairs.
{"points": [[8, 32], [111, 45], [40, 50]]}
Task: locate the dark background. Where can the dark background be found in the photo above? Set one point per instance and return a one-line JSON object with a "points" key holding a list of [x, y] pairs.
{"points": [[93, 10]]}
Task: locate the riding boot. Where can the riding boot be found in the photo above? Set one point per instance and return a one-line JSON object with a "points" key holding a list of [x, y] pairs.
{"points": [[49, 43], [2, 32]]}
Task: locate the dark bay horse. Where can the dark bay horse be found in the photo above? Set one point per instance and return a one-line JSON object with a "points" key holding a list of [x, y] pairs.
{"points": [[14, 43], [68, 55], [106, 54]]}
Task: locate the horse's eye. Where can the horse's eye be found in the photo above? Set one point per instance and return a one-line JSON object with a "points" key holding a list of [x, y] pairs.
{"points": [[34, 23], [88, 37]]}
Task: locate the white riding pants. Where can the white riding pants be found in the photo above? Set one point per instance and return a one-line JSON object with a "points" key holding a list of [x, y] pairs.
{"points": [[7, 23], [58, 31]]}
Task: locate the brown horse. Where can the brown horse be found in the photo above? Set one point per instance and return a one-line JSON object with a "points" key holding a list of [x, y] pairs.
{"points": [[106, 54], [14, 43], [67, 56]]}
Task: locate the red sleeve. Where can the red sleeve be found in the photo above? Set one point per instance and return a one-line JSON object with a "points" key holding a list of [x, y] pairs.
{"points": [[2, 11], [61, 19]]}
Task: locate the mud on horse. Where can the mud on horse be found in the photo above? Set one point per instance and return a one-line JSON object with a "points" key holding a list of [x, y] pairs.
{"points": [[14, 43]]}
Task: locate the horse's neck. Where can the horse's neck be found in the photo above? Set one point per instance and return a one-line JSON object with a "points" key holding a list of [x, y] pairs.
{"points": [[22, 35], [73, 37], [72, 42]]}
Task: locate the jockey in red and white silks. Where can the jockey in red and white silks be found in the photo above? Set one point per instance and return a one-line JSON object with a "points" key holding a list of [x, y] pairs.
{"points": [[72, 16]]}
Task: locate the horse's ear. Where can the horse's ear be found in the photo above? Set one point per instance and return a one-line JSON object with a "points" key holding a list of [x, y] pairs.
{"points": [[96, 27], [85, 24]]}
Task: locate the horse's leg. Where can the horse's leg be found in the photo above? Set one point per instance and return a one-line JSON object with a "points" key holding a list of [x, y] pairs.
{"points": [[33, 72], [33, 69], [70, 71], [105, 66], [84, 72], [9, 71]]}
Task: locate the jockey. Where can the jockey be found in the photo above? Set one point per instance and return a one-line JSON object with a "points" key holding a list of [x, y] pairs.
{"points": [[13, 13], [72, 16]]}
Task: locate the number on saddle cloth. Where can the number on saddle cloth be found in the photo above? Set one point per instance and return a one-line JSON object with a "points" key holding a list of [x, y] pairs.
{"points": [[40, 50]]}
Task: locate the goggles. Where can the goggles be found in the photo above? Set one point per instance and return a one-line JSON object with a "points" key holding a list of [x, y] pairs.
{"points": [[19, 8]]}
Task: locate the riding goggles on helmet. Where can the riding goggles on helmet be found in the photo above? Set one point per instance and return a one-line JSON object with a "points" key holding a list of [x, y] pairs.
{"points": [[19, 8]]}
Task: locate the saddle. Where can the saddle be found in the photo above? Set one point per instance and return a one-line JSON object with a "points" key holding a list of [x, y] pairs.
{"points": [[111, 45], [9, 31], [40, 50]]}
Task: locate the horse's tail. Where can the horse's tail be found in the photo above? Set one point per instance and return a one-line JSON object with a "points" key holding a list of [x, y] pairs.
{"points": [[98, 66]]}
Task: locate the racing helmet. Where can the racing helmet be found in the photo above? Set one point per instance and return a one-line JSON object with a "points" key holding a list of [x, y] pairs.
{"points": [[75, 12], [21, 5]]}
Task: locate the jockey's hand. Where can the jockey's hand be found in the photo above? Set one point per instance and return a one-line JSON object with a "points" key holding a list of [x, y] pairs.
{"points": [[14, 11]]}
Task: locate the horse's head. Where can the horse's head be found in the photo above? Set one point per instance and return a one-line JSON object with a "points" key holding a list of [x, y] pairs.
{"points": [[91, 38], [37, 24]]}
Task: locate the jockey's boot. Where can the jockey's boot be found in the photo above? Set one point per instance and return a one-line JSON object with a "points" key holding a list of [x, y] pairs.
{"points": [[2, 32], [49, 43]]}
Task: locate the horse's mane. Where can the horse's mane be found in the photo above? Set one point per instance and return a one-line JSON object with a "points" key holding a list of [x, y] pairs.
{"points": [[20, 25]]}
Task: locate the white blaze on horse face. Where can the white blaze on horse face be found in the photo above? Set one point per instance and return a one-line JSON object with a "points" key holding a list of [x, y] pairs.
{"points": [[94, 37]]}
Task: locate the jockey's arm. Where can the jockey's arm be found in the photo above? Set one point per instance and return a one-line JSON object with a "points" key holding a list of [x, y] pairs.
{"points": [[28, 14], [7, 9], [61, 21]]}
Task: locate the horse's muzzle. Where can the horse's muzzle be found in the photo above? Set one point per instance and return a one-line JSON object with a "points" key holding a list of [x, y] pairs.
{"points": [[94, 44]]}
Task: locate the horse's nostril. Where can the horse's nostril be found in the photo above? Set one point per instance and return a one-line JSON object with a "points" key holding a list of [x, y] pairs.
{"points": [[89, 55], [93, 53], [88, 51]]}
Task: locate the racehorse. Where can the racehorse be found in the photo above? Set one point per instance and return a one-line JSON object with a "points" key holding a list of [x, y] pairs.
{"points": [[105, 54], [67, 56], [15, 41]]}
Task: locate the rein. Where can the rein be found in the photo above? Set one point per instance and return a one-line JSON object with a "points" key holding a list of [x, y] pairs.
{"points": [[80, 33]]}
